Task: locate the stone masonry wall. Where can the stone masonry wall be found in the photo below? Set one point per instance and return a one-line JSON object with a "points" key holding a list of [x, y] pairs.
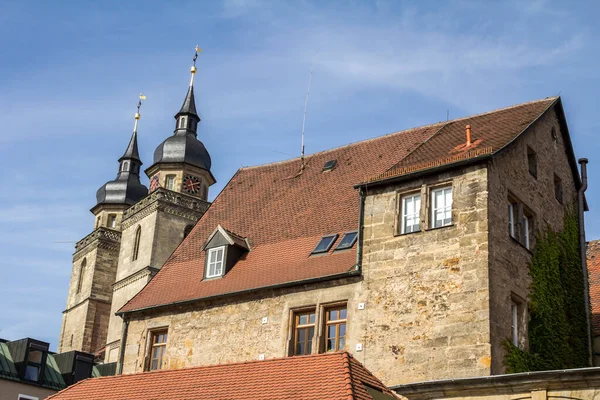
{"points": [[509, 174], [426, 298]]}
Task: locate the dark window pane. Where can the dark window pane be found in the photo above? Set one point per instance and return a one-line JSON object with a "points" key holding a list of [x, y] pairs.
{"points": [[299, 349], [331, 331], [154, 364], [343, 313], [347, 241], [330, 345], [32, 372], [325, 244], [301, 335]]}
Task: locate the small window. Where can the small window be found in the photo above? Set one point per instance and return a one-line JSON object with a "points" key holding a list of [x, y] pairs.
{"points": [[136, 243], [34, 365], [441, 207], [335, 326], [81, 275], [513, 218], [329, 165], [182, 122], [410, 214], [125, 166], [158, 350], [558, 189], [527, 230], [304, 331], [514, 318], [325, 244], [215, 262], [112, 221], [532, 162], [347, 241], [170, 182]]}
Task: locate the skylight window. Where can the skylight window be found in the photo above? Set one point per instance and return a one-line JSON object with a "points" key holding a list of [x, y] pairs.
{"points": [[325, 244], [329, 165], [347, 241]]}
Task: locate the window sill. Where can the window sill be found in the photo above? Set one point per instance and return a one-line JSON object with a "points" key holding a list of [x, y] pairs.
{"points": [[440, 227], [407, 233], [520, 244], [212, 278]]}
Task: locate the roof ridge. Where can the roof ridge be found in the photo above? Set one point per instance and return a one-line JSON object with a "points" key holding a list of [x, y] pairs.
{"points": [[442, 123], [347, 376]]}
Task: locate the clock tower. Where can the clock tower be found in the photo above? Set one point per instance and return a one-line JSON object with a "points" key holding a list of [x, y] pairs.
{"points": [[153, 227]]}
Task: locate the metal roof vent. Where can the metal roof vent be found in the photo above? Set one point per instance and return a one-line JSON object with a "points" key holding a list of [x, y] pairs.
{"points": [[329, 165]]}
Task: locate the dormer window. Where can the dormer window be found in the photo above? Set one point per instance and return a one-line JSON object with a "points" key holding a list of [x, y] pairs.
{"points": [[34, 365], [215, 262]]}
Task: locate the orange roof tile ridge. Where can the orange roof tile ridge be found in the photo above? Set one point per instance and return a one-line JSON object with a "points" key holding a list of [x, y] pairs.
{"points": [[442, 123], [347, 376], [68, 388]]}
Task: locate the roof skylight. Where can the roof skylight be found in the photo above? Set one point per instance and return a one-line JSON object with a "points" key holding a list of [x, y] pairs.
{"points": [[347, 241], [325, 244], [329, 165]]}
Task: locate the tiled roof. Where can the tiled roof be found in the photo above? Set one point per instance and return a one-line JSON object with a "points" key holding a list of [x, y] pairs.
{"points": [[593, 264], [325, 376], [283, 213]]}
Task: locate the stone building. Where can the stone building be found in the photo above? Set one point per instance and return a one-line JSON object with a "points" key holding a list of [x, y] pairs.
{"points": [[408, 250], [593, 260], [135, 231]]}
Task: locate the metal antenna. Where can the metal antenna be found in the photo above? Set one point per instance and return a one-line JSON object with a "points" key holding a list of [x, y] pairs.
{"points": [[304, 118]]}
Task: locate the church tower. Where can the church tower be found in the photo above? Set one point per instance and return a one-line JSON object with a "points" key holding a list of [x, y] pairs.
{"points": [[153, 227], [85, 319]]}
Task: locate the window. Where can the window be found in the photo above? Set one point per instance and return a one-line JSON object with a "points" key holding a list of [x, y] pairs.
{"points": [[170, 182], [304, 331], [335, 325], [187, 230], [25, 397], [558, 190], [513, 218], [441, 207], [34, 365], [532, 161], [112, 220], [136, 243], [158, 350], [125, 166], [520, 223], [347, 241], [329, 165], [527, 229], [515, 307], [182, 122], [325, 244], [410, 213], [81, 275], [215, 262]]}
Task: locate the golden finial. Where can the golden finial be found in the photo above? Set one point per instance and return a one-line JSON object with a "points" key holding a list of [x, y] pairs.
{"points": [[137, 115], [193, 69]]}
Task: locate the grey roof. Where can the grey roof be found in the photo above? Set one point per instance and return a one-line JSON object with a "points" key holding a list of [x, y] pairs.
{"points": [[189, 104], [52, 378], [132, 150], [183, 148]]}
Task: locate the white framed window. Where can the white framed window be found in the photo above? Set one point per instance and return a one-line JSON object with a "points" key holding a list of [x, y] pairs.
{"points": [[441, 207], [526, 229], [514, 317], [410, 215], [215, 262], [25, 397], [513, 221], [170, 182]]}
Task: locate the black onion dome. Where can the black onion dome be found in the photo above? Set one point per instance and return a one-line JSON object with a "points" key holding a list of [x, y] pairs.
{"points": [[183, 148], [122, 191]]}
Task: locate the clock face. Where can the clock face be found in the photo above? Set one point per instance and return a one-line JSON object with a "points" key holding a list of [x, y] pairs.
{"points": [[190, 184], [154, 183]]}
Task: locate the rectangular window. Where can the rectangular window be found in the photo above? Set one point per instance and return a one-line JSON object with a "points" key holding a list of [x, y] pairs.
{"points": [[158, 350], [335, 326], [441, 207], [304, 331], [347, 241], [112, 221], [532, 162], [513, 221], [325, 244], [410, 215], [215, 262], [34, 365], [25, 397], [514, 315], [170, 182], [558, 190], [527, 229]]}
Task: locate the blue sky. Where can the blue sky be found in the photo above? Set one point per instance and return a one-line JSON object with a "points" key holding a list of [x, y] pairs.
{"points": [[70, 73]]}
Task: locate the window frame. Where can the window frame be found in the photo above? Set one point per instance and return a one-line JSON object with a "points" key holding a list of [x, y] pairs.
{"points": [[170, 178], [111, 221], [208, 274], [338, 323], [329, 246], [416, 214], [182, 122], [349, 246], [155, 333], [296, 327], [433, 209]]}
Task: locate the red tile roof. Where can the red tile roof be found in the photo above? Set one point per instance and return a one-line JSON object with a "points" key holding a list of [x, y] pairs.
{"points": [[593, 264], [283, 213], [325, 376]]}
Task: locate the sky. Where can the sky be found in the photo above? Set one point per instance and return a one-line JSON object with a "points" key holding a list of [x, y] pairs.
{"points": [[71, 73]]}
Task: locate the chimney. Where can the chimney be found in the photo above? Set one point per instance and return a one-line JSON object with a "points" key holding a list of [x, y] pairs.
{"points": [[468, 135]]}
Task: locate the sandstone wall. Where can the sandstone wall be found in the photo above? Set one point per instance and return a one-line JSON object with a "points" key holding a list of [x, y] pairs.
{"points": [[509, 173], [425, 299]]}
